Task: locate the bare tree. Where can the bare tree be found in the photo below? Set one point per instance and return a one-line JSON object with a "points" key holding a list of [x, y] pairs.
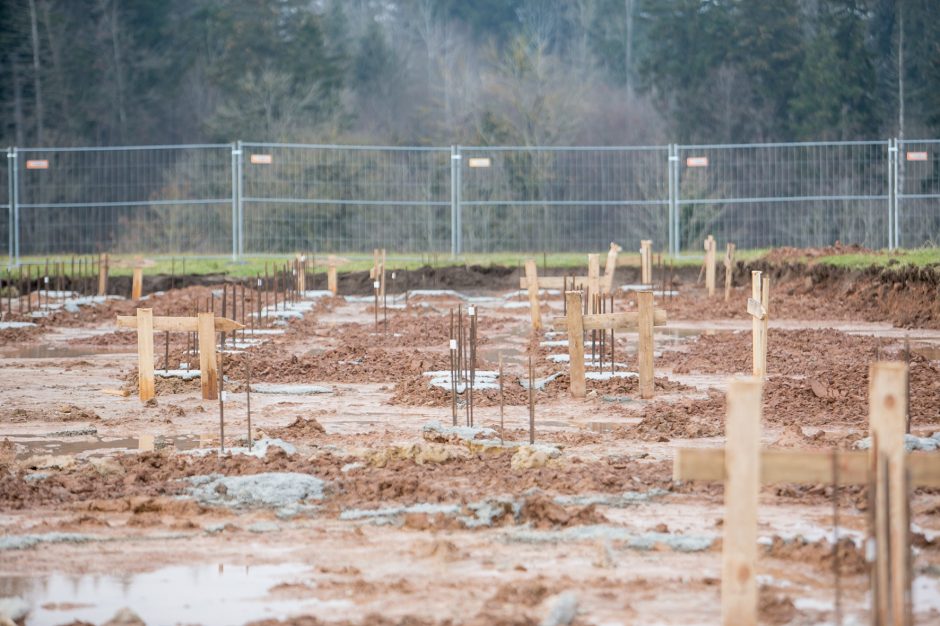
{"points": [[37, 72]]}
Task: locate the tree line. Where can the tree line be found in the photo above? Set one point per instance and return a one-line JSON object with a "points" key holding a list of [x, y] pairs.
{"points": [[440, 72]]}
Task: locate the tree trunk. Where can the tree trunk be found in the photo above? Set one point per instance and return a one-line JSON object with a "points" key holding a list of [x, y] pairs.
{"points": [[37, 78]]}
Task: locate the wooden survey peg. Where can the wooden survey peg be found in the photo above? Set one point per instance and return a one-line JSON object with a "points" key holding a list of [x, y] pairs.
{"points": [[646, 262], [610, 268], [206, 324], [710, 265], [331, 282], [758, 307], [532, 279], [576, 322], [729, 270], [885, 468], [103, 274], [594, 274]]}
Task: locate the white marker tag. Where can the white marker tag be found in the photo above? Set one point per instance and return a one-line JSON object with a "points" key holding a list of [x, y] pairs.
{"points": [[471, 311], [453, 344], [224, 396], [259, 282], [45, 279], [375, 284], [393, 275], [184, 365]]}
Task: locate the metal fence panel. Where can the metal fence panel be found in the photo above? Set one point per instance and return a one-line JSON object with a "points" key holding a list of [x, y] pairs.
{"points": [[762, 195], [562, 199], [5, 189], [919, 193], [345, 198], [153, 199]]}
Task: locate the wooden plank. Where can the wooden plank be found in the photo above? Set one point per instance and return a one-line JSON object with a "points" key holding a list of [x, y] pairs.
{"points": [[575, 313], [887, 418], [755, 326], [552, 282], [145, 382], [137, 284], [729, 270], [103, 274], [616, 321], [742, 487], [611, 267], [208, 365], [331, 282], [531, 273], [180, 324], [755, 309], [710, 265], [764, 322], [645, 348], [594, 275], [805, 467], [646, 261]]}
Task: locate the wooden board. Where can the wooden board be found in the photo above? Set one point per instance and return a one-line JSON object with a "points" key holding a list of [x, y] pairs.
{"points": [[208, 364], [145, 381], [645, 347], [577, 383], [180, 324], [742, 488], [616, 321], [531, 272]]}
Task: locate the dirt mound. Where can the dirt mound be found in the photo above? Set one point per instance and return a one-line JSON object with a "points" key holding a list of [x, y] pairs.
{"points": [[819, 554], [541, 511], [688, 419], [786, 253]]}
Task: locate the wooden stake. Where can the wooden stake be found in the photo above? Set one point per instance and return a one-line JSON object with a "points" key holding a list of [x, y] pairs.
{"points": [[531, 402], [742, 485], [103, 275], [765, 322], [532, 280], [710, 265], [575, 327], [729, 270], [208, 365], [611, 267], [646, 261], [887, 389], [331, 275], [137, 284], [645, 349], [758, 359], [145, 381], [594, 274]]}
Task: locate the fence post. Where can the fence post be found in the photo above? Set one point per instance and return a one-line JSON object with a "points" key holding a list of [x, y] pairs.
{"points": [[10, 162], [234, 202], [14, 175], [239, 153], [892, 190], [455, 226], [674, 235], [897, 174]]}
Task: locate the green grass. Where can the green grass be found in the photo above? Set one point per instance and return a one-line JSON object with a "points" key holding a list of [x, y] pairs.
{"points": [[253, 265]]}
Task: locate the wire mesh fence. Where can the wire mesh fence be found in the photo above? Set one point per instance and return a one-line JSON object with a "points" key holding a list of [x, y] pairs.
{"points": [[266, 198], [808, 194], [918, 193], [562, 199], [344, 198]]}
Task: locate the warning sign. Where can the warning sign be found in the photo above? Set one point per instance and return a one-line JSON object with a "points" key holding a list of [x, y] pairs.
{"points": [[916, 156], [261, 159], [479, 162], [699, 161], [37, 164]]}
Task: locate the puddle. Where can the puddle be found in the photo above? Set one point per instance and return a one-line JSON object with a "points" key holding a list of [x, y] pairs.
{"points": [[201, 594], [95, 447], [47, 351]]}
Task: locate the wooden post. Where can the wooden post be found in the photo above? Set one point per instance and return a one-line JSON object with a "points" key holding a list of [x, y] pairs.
{"points": [[575, 326], [532, 280], [710, 265], [729, 270], [102, 274], [331, 282], [645, 349], [742, 486], [765, 322], [382, 277], [757, 309], [594, 275], [646, 261], [208, 364], [611, 267], [300, 265], [887, 402], [145, 382], [137, 284]]}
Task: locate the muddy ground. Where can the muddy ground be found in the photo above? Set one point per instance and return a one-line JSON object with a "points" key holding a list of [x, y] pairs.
{"points": [[361, 504]]}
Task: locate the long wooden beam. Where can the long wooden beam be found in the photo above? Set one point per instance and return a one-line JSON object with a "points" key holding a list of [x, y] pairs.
{"points": [[618, 321], [808, 467], [180, 324]]}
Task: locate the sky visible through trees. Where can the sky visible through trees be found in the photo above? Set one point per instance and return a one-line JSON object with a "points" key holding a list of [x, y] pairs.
{"points": [[441, 72]]}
